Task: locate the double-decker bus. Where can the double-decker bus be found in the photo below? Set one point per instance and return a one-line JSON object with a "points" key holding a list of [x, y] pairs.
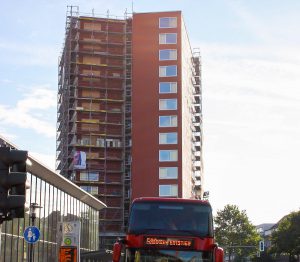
{"points": [[169, 230]]}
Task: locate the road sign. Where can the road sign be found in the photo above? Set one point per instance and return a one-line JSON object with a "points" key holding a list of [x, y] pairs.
{"points": [[31, 234], [68, 241], [71, 234], [70, 237]]}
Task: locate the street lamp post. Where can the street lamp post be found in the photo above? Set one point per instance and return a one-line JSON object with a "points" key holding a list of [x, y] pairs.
{"points": [[33, 207]]}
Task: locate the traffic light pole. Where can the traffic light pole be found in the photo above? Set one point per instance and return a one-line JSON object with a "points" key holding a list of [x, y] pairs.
{"points": [[0, 235], [33, 207], [30, 252], [31, 245], [31, 258]]}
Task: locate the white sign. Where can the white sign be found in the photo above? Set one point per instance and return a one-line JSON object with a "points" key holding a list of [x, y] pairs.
{"points": [[79, 160], [71, 233]]}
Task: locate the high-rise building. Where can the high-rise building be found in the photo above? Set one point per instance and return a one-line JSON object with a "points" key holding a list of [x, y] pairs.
{"points": [[129, 111]]}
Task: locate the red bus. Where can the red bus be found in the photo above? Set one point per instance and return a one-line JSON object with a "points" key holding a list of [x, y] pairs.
{"points": [[169, 230]]}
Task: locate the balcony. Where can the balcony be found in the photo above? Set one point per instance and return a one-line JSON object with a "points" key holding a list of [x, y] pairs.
{"points": [[197, 183], [196, 128], [196, 158], [197, 174], [197, 99]]}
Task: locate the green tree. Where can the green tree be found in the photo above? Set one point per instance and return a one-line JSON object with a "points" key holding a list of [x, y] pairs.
{"points": [[286, 239], [235, 233]]}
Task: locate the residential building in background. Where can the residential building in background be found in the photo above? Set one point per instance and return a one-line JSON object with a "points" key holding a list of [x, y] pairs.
{"points": [[265, 231], [129, 118]]}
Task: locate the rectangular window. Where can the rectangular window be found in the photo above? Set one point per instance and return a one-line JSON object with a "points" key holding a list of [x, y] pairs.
{"points": [[167, 121], [168, 172], [90, 189], [167, 87], [168, 71], [167, 22], [85, 141], [168, 104], [84, 176], [167, 138], [168, 155], [167, 54], [168, 190], [169, 38]]}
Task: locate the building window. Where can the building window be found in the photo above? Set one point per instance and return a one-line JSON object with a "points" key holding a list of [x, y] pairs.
{"points": [[90, 189], [85, 141], [168, 71], [167, 87], [168, 172], [84, 176], [167, 121], [113, 142], [170, 38], [168, 104], [168, 190], [168, 155], [168, 54], [167, 138], [167, 22]]}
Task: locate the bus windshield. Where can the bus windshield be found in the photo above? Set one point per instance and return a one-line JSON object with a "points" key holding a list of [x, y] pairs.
{"points": [[150, 255], [176, 218]]}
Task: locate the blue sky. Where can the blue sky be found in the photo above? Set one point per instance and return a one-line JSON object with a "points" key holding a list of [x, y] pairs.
{"points": [[250, 66]]}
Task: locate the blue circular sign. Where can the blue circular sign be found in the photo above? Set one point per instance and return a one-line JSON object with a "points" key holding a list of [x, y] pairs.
{"points": [[31, 234]]}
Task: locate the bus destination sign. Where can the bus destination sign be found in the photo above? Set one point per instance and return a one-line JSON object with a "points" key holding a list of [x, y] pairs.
{"points": [[168, 242]]}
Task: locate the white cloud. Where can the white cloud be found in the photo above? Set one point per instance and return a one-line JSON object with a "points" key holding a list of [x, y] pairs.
{"points": [[45, 159], [40, 98], [251, 103], [270, 52], [270, 25], [27, 54], [6, 134], [250, 21], [6, 81], [232, 73]]}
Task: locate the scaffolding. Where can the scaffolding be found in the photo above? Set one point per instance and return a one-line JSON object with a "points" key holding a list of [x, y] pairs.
{"points": [[128, 118], [94, 113]]}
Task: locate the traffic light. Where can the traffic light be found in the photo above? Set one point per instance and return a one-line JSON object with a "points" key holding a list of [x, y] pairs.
{"points": [[261, 246], [13, 183]]}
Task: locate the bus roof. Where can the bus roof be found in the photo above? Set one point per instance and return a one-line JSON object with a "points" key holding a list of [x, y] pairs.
{"points": [[165, 199]]}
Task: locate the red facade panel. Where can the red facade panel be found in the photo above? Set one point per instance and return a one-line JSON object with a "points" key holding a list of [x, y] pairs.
{"points": [[145, 103]]}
